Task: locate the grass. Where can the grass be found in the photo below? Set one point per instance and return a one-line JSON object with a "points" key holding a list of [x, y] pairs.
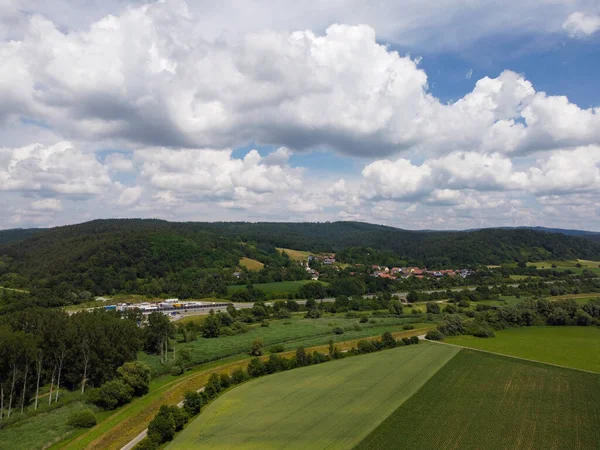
{"points": [[281, 287], [37, 431], [289, 332], [593, 266], [576, 347], [296, 255], [484, 401], [332, 405], [119, 427], [580, 299], [251, 264]]}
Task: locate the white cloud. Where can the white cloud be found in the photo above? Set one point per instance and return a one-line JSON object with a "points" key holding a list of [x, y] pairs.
{"points": [[46, 204], [130, 196], [118, 162], [149, 76], [469, 74], [580, 24], [59, 170]]}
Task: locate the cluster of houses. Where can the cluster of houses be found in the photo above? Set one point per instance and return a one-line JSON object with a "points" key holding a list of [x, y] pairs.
{"points": [[406, 272]]}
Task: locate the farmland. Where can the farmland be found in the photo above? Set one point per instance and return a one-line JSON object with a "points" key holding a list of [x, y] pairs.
{"points": [[576, 266], [289, 332], [577, 347], [282, 287], [332, 405], [484, 401], [251, 264], [296, 255]]}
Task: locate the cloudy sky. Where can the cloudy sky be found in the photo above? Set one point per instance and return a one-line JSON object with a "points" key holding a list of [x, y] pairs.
{"points": [[421, 114]]}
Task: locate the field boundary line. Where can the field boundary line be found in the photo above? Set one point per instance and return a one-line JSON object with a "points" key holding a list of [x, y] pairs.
{"points": [[515, 357]]}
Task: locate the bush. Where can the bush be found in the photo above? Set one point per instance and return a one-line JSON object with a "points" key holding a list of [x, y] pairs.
{"points": [[176, 370], [313, 313], [256, 349], [256, 368], [161, 428], [192, 402], [355, 327], [433, 308], [408, 326], [387, 340], [146, 444], [483, 332], [213, 387], [464, 303], [82, 419], [414, 339], [434, 335], [406, 341], [225, 380], [238, 376], [416, 311], [450, 309], [364, 319], [338, 330], [366, 346], [112, 394], [265, 323], [137, 375], [277, 348]]}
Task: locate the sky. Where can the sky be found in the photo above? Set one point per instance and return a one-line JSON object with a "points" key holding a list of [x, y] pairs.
{"points": [[445, 114]]}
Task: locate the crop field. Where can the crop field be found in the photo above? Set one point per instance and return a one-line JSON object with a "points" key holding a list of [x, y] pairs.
{"points": [[332, 405], [251, 264], [593, 266], [289, 332], [296, 255], [577, 347], [483, 401], [282, 287]]}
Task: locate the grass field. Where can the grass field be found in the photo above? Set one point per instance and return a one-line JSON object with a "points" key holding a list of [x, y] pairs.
{"points": [[282, 287], [577, 347], [38, 431], [332, 405], [483, 401], [593, 266], [289, 332], [296, 255], [251, 264]]}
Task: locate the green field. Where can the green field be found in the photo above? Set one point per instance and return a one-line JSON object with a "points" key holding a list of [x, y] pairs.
{"points": [[38, 431], [251, 264], [281, 287], [332, 405], [296, 255], [593, 266], [289, 332], [483, 401], [577, 347]]}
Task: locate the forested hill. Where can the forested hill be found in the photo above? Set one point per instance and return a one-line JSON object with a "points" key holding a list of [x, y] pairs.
{"points": [[148, 256]]}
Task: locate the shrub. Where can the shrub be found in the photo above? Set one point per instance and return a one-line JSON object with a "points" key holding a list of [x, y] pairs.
{"points": [[161, 428], [416, 311], [433, 308], [238, 376], [450, 309], [355, 327], [192, 402], [277, 348], [483, 332], [256, 368], [338, 330], [464, 303], [387, 340], [112, 394], [137, 375], [414, 339], [265, 323], [406, 341], [364, 319], [146, 444], [302, 359], [313, 313], [225, 379], [256, 349], [366, 346], [408, 326], [213, 387], [82, 419], [176, 370], [434, 335]]}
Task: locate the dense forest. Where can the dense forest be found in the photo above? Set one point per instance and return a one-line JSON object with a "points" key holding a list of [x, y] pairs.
{"points": [[153, 257]]}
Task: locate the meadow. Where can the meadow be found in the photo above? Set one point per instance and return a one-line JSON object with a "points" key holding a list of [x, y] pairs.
{"points": [[332, 405], [576, 347], [291, 333], [251, 264], [483, 401], [296, 255], [593, 266], [280, 287]]}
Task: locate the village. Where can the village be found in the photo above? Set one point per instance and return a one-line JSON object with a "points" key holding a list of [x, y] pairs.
{"points": [[383, 271]]}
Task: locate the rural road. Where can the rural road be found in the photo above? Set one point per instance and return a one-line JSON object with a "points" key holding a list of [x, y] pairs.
{"points": [[144, 433]]}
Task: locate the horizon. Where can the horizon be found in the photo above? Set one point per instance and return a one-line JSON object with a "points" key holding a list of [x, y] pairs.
{"points": [[402, 113], [530, 227]]}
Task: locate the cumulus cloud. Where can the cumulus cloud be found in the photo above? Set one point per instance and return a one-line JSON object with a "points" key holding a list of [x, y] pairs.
{"points": [[580, 24], [130, 196], [150, 77], [59, 169], [46, 204]]}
